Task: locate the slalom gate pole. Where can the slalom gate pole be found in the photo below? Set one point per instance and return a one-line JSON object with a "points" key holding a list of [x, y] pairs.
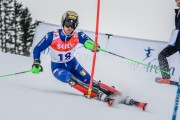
{"points": [[168, 73], [176, 104], [15, 73], [95, 48]]}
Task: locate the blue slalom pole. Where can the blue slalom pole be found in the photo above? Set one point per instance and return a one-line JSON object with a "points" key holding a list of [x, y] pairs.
{"points": [[176, 105]]}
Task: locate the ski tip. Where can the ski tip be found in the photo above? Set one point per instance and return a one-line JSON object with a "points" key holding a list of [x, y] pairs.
{"points": [[142, 106], [162, 81]]}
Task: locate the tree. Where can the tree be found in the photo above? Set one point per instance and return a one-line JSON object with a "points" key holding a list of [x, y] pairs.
{"points": [[6, 24], [16, 28], [1, 23], [27, 31], [16, 25]]}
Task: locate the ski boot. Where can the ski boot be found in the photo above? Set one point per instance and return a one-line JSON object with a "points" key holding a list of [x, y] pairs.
{"points": [[106, 98], [166, 81], [105, 88], [109, 91], [111, 98]]}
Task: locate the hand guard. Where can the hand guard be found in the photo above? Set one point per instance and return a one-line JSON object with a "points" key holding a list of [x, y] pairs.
{"points": [[36, 67], [89, 44]]}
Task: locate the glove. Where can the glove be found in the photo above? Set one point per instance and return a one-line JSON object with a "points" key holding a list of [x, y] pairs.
{"points": [[89, 44], [36, 67]]}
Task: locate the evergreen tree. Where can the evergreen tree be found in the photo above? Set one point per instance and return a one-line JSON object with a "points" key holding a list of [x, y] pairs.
{"points": [[27, 31], [7, 24], [1, 24], [16, 25], [16, 28]]}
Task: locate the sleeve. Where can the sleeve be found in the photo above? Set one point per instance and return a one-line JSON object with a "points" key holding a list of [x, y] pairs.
{"points": [[176, 18], [42, 45], [87, 41], [83, 37]]}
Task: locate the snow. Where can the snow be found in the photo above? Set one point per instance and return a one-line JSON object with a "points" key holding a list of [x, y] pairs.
{"points": [[29, 96]]}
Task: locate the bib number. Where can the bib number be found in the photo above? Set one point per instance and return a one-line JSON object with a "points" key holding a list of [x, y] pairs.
{"points": [[64, 57]]}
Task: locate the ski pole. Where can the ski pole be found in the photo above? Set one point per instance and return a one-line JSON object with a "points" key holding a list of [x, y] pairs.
{"points": [[134, 61], [176, 104], [15, 73]]}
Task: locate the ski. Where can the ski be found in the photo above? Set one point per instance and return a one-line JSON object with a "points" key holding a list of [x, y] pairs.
{"points": [[105, 93], [115, 97], [166, 81], [140, 105], [112, 89]]}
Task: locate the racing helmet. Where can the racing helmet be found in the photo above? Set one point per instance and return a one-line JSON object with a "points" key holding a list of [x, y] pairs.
{"points": [[70, 19]]}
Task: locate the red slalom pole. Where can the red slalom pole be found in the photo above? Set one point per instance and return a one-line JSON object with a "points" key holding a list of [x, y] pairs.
{"points": [[95, 48]]}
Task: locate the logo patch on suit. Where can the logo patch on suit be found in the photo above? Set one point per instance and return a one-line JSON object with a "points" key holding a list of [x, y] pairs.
{"points": [[83, 72]]}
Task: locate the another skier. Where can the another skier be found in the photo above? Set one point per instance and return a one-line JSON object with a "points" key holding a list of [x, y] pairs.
{"points": [[65, 67], [172, 48]]}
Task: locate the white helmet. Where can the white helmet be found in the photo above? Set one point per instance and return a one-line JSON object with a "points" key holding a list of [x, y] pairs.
{"points": [[70, 19]]}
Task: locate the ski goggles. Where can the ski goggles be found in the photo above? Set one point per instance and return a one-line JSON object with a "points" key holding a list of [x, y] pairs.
{"points": [[70, 23]]}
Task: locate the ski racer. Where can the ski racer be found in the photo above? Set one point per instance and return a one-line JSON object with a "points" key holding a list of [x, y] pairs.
{"points": [[64, 65]]}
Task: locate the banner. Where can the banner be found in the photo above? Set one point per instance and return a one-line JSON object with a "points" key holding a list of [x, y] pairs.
{"points": [[144, 51]]}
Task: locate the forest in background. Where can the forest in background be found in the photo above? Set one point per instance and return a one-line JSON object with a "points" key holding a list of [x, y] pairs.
{"points": [[17, 28]]}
